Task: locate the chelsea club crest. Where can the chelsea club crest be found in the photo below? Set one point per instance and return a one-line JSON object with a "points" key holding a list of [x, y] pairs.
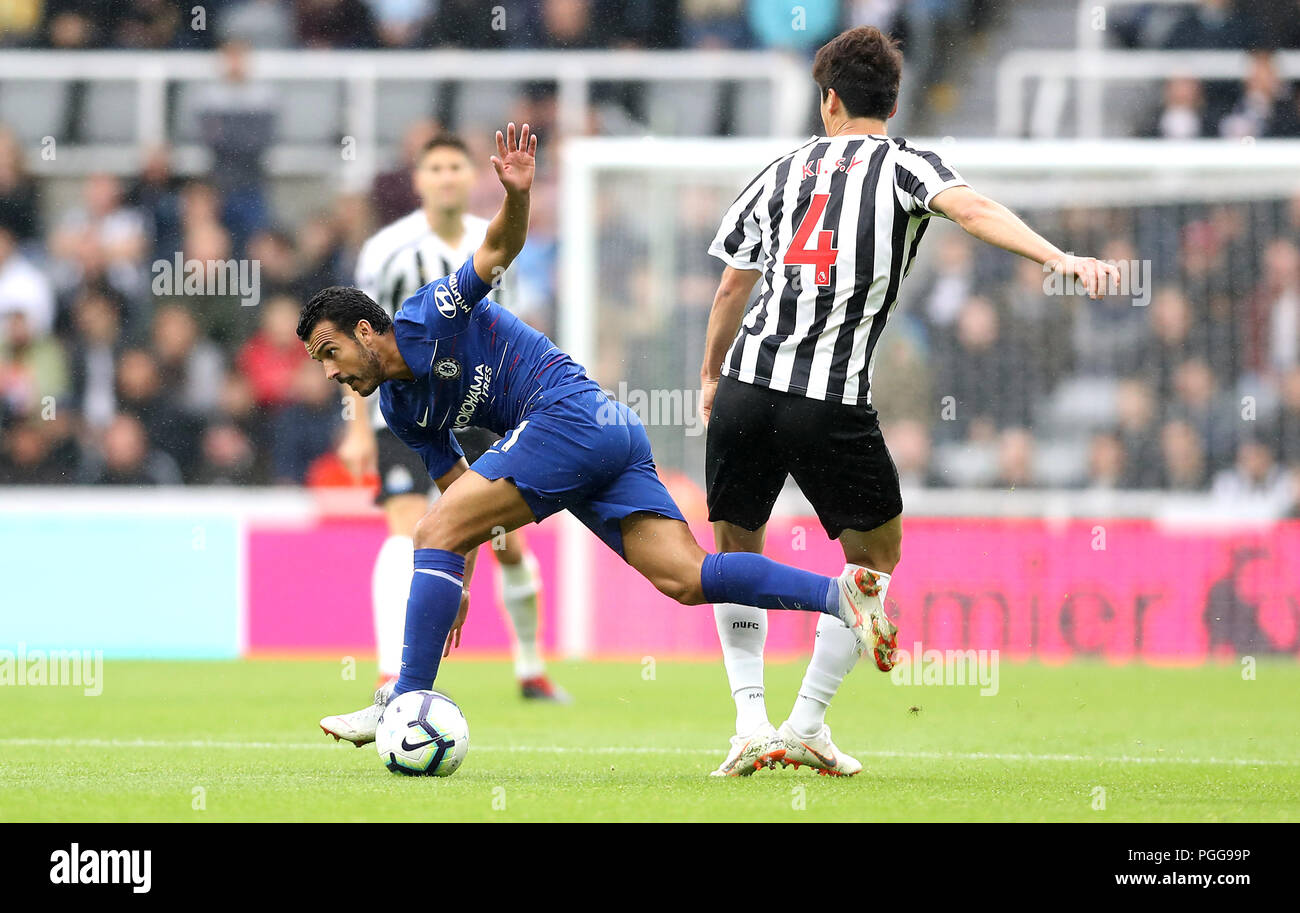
{"points": [[446, 369]]}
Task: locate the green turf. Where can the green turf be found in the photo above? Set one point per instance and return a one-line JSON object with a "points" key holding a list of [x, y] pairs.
{"points": [[1181, 744]]}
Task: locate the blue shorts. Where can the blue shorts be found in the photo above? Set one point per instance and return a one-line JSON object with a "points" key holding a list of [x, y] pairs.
{"points": [[586, 454]]}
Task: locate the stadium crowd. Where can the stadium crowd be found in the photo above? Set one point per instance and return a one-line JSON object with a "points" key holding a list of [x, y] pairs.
{"points": [[983, 378], [1261, 106]]}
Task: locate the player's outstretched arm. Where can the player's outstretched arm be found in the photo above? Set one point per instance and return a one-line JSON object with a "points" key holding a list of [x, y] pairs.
{"points": [[993, 223], [515, 163]]}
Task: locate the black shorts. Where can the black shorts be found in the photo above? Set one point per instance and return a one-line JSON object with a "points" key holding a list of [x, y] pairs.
{"points": [[836, 454], [402, 472]]}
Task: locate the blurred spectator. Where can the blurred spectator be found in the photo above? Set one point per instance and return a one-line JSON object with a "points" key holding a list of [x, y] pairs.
{"points": [[191, 366], [101, 241], [1199, 402], [271, 358], [1210, 25], [567, 25], [1274, 23], [150, 24], [910, 445], [983, 373], [1170, 340], [1110, 331], [79, 24], [1274, 310], [274, 250], [473, 24], [32, 368], [228, 457], [261, 24], [1107, 462], [96, 343], [123, 457], [1015, 459], [222, 313], [714, 24], [1182, 111], [156, 194], [1182, 458], [237, 119], [23, 288], [19, 21], [392, 194], [335, 24], [18, 209], [305, 429], [1287, 425], [398, 22], [1265, 105], [1255, 484], [320, 255], [901, 386], [1135, 410], [38, 452], [140, 394], [953, 279]]}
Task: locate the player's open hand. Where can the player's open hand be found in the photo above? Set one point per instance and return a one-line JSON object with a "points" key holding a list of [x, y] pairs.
{"points": [[516, 159], [1096, 275], [453, 636]]}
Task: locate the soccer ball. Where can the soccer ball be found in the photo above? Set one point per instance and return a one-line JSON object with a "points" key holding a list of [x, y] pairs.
{"points": [[422, 733]]}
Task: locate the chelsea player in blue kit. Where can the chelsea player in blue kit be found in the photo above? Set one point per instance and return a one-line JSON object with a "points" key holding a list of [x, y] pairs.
{"points": [[452, 358]]}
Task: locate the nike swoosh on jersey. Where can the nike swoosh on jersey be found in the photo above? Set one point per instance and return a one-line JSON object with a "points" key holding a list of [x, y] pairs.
{"points": [[425, 419]]}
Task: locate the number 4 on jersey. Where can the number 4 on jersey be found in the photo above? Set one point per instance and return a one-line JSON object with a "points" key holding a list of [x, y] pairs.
{"points": [[822, 257]]}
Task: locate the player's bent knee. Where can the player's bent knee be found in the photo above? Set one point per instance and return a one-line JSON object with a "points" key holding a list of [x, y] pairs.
{"points": [[681, 589], [443, 529]]}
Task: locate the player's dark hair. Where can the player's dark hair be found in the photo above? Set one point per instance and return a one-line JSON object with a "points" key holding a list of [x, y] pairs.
{"points": [[344, 307], [864, 66], [444, 141]]}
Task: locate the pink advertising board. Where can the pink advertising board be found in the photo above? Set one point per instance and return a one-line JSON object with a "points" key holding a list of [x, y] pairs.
{"points": [[1115, 589]]}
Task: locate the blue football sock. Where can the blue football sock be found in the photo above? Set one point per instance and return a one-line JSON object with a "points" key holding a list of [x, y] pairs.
{"points": [[430, 612], [749, 579]]}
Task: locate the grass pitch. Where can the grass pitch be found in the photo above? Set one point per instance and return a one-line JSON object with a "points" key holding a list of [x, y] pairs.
{"points": [[223, 741]]}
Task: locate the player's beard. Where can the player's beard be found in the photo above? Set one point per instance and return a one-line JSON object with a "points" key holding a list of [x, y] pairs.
{"points": [[371, 376]]}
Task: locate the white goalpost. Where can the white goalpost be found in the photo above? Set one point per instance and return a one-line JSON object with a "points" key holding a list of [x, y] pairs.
{"points": [[636, 217]]}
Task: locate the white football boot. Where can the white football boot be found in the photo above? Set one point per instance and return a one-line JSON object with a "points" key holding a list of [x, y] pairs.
{"points": [[862, 610], [761, 748], [358, 727], [818, 752]]}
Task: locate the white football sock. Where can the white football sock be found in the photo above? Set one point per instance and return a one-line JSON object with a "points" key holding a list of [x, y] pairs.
{"points": [[519, 585], [390, 588], [834, 656], [743, 631]]}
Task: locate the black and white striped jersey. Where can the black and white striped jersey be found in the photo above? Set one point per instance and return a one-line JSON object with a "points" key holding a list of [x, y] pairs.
{"points": [[834, 227], [406, 255]]}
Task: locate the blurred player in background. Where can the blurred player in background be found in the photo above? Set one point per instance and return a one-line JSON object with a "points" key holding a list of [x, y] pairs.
{"points": [[400, 258], [832, 229]]}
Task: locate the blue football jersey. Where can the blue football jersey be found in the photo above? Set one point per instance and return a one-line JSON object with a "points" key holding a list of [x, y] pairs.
{"points": [[475, 364]]}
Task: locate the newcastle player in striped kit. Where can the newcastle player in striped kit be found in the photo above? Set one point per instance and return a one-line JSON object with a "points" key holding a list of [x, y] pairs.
{"points": [[430, 242], [827, 232]]}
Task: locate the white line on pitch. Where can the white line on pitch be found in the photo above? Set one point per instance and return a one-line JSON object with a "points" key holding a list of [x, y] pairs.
{"points": [[655, 750]]}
